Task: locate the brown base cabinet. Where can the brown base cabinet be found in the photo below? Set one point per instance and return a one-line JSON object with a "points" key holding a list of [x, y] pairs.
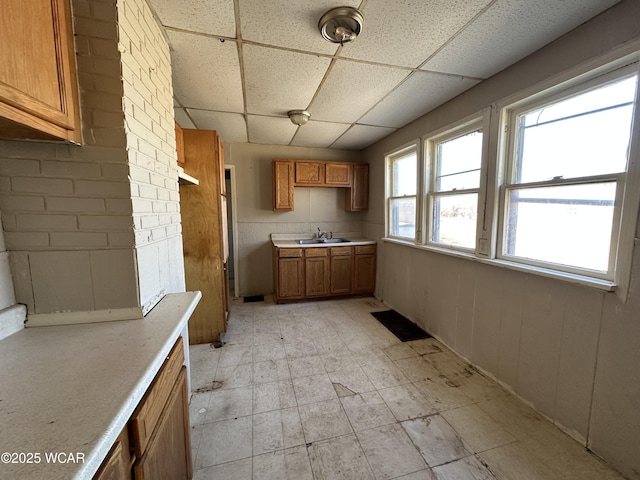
{"points": [[364, 269], [306, 273], [156, 444]]}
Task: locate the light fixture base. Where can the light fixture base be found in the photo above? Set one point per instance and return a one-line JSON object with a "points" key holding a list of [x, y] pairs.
{"points": [[341, 25]]}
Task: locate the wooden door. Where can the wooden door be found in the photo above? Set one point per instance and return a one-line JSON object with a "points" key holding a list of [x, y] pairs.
{"points": [[38, 85], [168, 456], [203, 236]]}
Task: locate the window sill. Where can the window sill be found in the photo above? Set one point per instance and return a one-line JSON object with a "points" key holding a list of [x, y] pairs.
{"points": [[600, 284]]}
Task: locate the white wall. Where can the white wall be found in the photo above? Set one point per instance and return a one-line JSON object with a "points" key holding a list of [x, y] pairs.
{"points": [[313, 208], [572, 351]]}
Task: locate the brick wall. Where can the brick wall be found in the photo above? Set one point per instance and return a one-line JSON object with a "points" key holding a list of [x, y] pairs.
{"points": [[149, 124], [96, 227]]}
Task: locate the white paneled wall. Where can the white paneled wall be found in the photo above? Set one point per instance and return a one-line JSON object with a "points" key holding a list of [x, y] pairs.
{"points": [[571, 351]]}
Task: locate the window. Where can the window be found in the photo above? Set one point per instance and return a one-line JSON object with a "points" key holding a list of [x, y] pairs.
{"points": [[403, 183], [566, 170], [547, 183], [455, 162]]}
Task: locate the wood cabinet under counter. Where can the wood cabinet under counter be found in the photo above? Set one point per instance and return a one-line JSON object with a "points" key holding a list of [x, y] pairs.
{"points": [[323, 271]]}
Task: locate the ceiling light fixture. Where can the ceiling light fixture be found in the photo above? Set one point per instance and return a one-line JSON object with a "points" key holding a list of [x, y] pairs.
{"points": [[341, 25], [299, 117]]}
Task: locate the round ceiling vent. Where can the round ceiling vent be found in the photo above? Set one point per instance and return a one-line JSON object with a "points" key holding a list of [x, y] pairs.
{"points": [[341, 25]]}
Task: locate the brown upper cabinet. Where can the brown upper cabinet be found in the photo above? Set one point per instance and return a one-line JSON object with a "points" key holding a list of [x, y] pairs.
{"points": [[356, 198], [338, 174], [38, 84], [309, 173], [287, 174]]}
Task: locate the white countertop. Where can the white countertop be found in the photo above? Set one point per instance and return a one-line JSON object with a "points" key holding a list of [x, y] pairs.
{"points": [[72, 388], [289, 240]]}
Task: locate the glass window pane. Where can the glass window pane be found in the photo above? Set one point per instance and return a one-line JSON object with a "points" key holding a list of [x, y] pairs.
{"points": [[458, 162], [454, 220], [585, 135], [403, 217], [405, 174], [567, 225]]}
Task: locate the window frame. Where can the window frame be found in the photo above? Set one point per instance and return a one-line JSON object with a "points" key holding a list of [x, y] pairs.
{"points": [[494, 177], [460, 129], [389, 161], [510, 121]]}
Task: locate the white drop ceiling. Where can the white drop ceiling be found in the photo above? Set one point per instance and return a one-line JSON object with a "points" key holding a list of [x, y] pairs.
{"points": [[240, 65]]}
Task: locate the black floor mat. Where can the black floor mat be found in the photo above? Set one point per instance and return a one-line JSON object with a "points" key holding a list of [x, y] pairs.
{"points": [[400, 326], [253, 298]]}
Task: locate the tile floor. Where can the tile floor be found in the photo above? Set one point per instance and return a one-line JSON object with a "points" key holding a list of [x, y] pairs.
{"points": [[323, 391]]}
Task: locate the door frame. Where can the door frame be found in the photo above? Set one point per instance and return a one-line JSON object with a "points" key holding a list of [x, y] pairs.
{"points": [[234, 228]]}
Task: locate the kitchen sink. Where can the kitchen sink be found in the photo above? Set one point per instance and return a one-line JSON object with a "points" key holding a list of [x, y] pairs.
{"points": [[311, 241]]}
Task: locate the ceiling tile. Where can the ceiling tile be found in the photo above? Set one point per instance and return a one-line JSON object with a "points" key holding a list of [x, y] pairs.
{"points": [[216, 17], [289, 24], [351, 89], [524, 27], [270, 130], [318, 134], [280, 80], [182, 118], [230, 126], [407, 33], [361, 136], [198, 80], [419, 94]]}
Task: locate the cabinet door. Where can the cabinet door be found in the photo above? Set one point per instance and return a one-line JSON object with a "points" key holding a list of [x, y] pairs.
{"points": [[290, 278], [117, 465], [169, 453], [309, 173], [364, 273], [341, 274], [283, 184], [316, 276], [338, 174], [357, 197], [38, 86]]}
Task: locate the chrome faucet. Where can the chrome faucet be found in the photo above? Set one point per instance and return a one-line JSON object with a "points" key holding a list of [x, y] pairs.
{"points": [[321, 234]]}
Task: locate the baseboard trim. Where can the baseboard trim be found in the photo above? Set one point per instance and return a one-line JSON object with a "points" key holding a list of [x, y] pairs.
{"points": [[75, 318]]}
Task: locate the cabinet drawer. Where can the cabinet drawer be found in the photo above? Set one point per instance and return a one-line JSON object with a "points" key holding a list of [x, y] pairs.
{"points": [[289, 252], [145, 418], [360, 249], [316, 252], [340, 251]]}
